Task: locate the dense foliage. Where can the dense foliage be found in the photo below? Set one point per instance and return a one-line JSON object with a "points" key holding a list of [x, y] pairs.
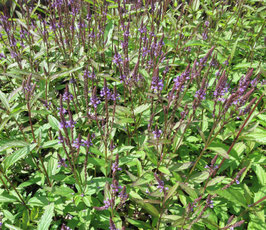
{"points": [[132, 115]]}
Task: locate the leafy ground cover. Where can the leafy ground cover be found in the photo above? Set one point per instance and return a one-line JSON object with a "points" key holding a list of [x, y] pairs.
{"points": [[132, 115]]}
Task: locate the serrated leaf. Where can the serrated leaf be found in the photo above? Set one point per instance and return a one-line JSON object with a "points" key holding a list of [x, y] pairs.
{"points": [[12, 143], [63, 191], [190, 191], [46, 218], [7, 198], [12, 227], [141, 108], [232, 196], [164, 170], [181, 166], [215, 180], [17, 155], [195, 5], [53, 122], [258, 136], [64, 73], [139, 224], [148, 207], [260, 172], [171, 192], [220, 149], [4, 101], [199, 177]]}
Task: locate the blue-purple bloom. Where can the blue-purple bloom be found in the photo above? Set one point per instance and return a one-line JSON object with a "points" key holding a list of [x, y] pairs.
{"points": [[62, 163], [94, 101], [115, 167], [156, 84], [115, 186], [2, 56], [67, 96], [117, 59], [157, 133], [200, 94]]}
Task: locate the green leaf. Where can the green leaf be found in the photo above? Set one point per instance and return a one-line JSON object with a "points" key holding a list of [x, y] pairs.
{"points": [[164, 170], [260, 172], [171, 192], [17, 155], [63, 191], [12, 143], [148, 207], [234, 49], [53, 122], [7, 198], [195, 5], [108, 32], [4, 101], [258, 136], [180, 166], [220, 149], [139, 224], [141, 108], [215, 180], [46, 218], [199, 177], [190, 191], [233, 196], [12, 227], [65, 73]]}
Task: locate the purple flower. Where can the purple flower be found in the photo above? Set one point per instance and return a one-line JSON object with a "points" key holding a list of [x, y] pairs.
{"points": [[200, 94], [115, 167], [207, 23], [117, 59], [112, 225], [62, 163], [226, 62], [142, 29], [70, 124], [211, 204], [204, 36], [156, 84], [86, 143], [157, 133], [62, 124], [115, 186], [2, 56], [13, 54], [94, 101], [67, 96], [107, 204], [160, 184], [180, 80], [89, 74], [64, 227], [60, 140], [76, 143], [105, 92], [61, 110]]}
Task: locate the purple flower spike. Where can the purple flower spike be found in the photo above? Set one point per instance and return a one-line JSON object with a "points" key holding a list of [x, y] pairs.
{"points": [[76, 143], [157, 133], [86, 143], [62, 163], [67, 96], [2, 56], [117, 59], [94, 101]]}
